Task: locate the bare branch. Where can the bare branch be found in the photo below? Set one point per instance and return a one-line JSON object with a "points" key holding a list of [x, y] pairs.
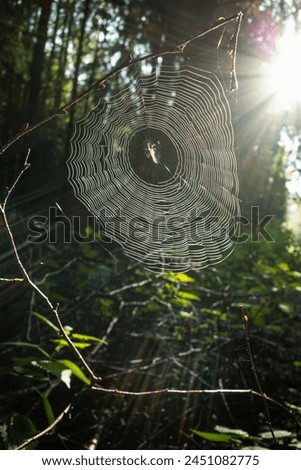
{"points": [[130, 286], [232, 49], [54, 309], [262, 394], [46, 430], [10, 190], [129, 61], [171, 391]]}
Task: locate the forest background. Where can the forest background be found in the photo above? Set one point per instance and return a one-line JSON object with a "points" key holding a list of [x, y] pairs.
{"points": [[234, 326]]}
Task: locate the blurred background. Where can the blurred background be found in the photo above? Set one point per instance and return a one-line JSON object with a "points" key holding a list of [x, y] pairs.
{"points": [[139, 330]]}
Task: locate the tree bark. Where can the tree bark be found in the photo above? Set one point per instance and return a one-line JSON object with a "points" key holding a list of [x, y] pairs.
{"points": [[38, 60]]}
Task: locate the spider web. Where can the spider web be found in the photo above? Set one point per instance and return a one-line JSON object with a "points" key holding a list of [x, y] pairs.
{"points": [[154, 163]]}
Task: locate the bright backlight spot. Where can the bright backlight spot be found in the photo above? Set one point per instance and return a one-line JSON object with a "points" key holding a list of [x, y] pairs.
{"points": [[283, 72]]}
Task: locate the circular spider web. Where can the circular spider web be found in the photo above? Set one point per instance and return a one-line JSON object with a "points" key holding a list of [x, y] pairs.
{"points": [[154, 163]]}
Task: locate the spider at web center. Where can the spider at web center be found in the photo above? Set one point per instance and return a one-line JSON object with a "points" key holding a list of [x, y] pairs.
{"points": [[152, 155], [153, 150]]}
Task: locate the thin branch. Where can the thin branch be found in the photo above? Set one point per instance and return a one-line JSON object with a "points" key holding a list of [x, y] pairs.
{"points": [[232, 50], [170, 391], [163, 391], [104, 337], [14, 279], [94, 442], [58, 271], [129, 61], [19, 176], [45, 431], [130, 286], [262, 394], [78, 354], [54, 309]]}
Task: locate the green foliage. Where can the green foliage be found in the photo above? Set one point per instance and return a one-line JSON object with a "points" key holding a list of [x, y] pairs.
{"points": [[63, 369], [17, 429], [197, 311], [239, 439], [37, 371], [172, 330], [48, 408]]}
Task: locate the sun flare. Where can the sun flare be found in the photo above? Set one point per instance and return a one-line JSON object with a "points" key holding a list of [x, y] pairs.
{"points": [[283, 72]]}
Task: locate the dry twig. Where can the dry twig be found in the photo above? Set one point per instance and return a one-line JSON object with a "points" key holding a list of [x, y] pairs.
{"points": [[261, 393], [27, 128]]}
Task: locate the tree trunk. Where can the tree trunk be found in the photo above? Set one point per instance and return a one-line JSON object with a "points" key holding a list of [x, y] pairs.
{"points": [[38, 60], [62, 60], [79, 54]]}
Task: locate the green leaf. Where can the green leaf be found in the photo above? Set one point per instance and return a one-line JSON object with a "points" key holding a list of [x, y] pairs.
{"points": [[255, 447], [245, 305], [75, 370], [295, 274], [283, 266], [266, 268], [45, 320], [297, 363], [278, 433], [47, 407], [88, 338], [182, 302], [236, 432], [187, 295], [295, 444], [61, 343], [296, 287], [63, 369], [294, 407], [3, 432], [57, 369], [219, 313], [26, 345], [21, 362], [285, 308], [212, 436], [18, 429], [186, 315], [180, 277]]}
